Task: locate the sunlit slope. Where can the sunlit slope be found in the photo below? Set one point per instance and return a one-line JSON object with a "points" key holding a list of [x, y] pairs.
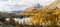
{"points": [[48, 15], [27, 11], [30, 10]]}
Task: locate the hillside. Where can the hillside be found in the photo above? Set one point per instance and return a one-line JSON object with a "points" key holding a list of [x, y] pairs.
{"points": [[48, 15]]}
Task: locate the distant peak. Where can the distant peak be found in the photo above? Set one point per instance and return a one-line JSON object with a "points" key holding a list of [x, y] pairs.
{"points": [[38, 6]]}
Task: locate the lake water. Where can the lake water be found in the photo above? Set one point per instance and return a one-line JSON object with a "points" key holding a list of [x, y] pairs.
{"points": [[20, 20]]}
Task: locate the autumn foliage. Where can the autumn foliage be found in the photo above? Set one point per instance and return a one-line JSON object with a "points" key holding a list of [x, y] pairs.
{"points": [[49, 15]]}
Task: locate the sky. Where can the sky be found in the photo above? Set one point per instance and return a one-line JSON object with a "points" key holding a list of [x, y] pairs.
{"points": [[20, 5]]}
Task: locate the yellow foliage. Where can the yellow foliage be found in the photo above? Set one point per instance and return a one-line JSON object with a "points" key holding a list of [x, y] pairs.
{"points": [[17, 24], [57, 11], [45, 16]]}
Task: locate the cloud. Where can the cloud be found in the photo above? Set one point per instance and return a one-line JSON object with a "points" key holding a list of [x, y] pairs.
{"points": [[17, 5]]}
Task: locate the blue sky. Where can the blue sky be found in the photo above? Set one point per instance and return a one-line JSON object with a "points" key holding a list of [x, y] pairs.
{"points": [[17, 5]]}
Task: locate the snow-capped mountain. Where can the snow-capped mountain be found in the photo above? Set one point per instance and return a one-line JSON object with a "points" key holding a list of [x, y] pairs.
{"points": [[38, 5]]}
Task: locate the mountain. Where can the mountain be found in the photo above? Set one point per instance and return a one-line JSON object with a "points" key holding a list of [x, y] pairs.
{"points": [[16, 12], [31, 9], [38, 5]]}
